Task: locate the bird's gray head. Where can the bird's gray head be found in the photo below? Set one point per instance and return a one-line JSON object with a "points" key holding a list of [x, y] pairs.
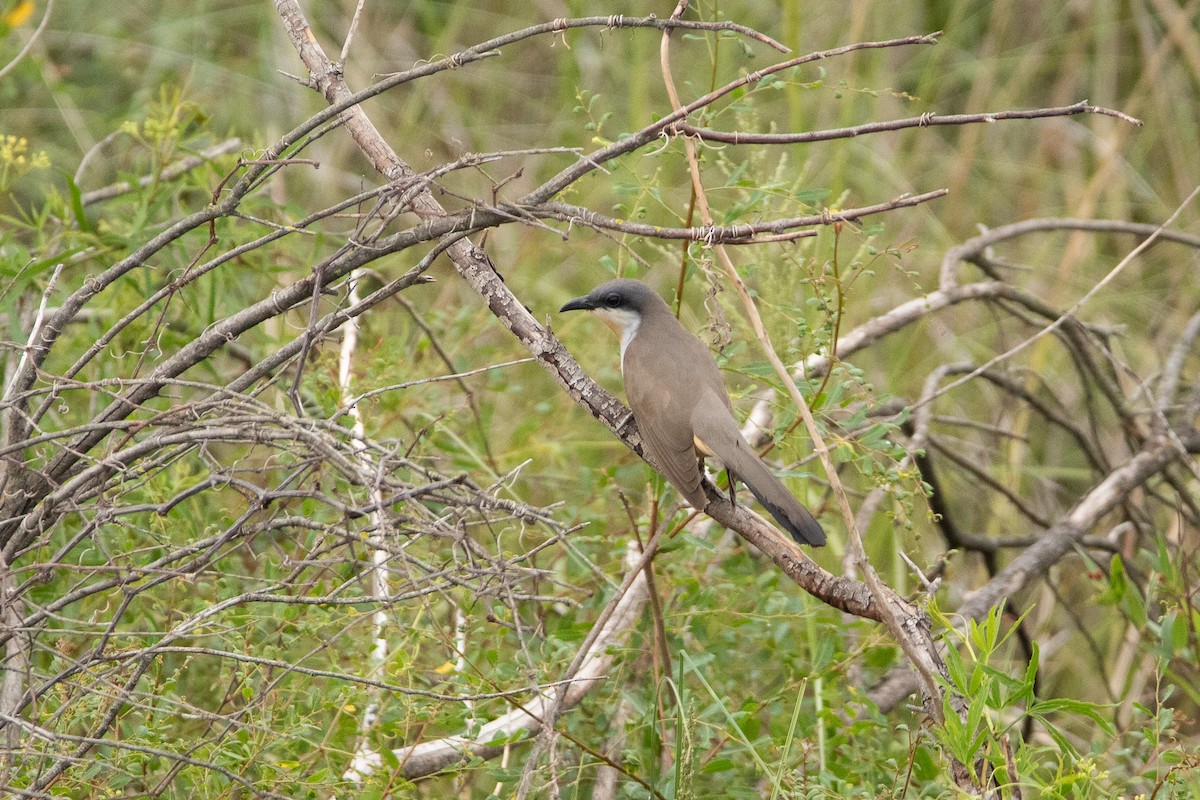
{"points": [[621, 304], [619, 295]]}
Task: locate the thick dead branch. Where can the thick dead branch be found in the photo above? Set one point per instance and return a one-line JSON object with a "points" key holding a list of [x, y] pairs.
{"points": [[1037, 560]]}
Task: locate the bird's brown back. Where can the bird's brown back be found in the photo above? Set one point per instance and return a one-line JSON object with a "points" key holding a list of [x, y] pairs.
{"points": [[667, 372]]}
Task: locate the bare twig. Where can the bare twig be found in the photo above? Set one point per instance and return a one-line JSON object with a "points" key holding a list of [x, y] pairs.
{"points": [[30, 42], [168, 173], [1069, 314], [925, 120]]}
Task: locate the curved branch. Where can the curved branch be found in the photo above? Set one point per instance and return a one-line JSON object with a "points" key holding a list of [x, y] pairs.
{"points": [[972, 249], [31, 41], [1034, 561], [169, 173], [923, 121], [724, 234]]}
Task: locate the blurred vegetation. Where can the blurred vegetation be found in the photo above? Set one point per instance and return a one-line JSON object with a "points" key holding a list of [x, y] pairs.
{"points": [[765, 694]]}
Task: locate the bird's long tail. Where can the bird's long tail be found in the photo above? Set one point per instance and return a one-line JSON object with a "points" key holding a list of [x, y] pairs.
{"points": [[772, 494]]}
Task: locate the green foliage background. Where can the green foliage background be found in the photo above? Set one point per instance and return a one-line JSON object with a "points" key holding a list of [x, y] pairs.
{"points": [[764, 696]]}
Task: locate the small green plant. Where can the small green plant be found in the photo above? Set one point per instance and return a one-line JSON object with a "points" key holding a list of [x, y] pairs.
{"points": [[167, 124], [985, 705], [16, 159]]}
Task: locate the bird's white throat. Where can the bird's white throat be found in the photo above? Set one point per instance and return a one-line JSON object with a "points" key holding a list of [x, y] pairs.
{"points": [[624, 322]]}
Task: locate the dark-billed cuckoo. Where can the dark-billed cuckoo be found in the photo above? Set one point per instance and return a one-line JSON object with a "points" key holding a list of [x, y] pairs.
{"points": [[680, 403]]}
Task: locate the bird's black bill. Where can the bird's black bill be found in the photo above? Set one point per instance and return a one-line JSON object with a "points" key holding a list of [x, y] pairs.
{"points": [[578, 304]]}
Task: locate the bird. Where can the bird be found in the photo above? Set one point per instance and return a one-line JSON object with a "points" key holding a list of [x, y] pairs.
{"points": [[680, 404]]}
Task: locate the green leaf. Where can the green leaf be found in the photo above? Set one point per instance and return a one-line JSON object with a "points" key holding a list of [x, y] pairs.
{"points": [[1027, 685], [956, 669], [1117, 583], [924, 768], [1069, 706], [811, 195], [1134, 608], [1172, 634], [81, 220]]}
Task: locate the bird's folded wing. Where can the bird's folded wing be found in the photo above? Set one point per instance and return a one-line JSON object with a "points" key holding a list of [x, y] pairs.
{"points": [[677, 460], [667, 439]]}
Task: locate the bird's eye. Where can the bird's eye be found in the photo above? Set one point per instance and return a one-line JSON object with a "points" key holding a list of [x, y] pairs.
{"points": [[612, 300]]}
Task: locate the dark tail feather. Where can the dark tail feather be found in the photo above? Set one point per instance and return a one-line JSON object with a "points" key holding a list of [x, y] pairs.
{"points": [[774, 496], [743, 462], [794, 518]]}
